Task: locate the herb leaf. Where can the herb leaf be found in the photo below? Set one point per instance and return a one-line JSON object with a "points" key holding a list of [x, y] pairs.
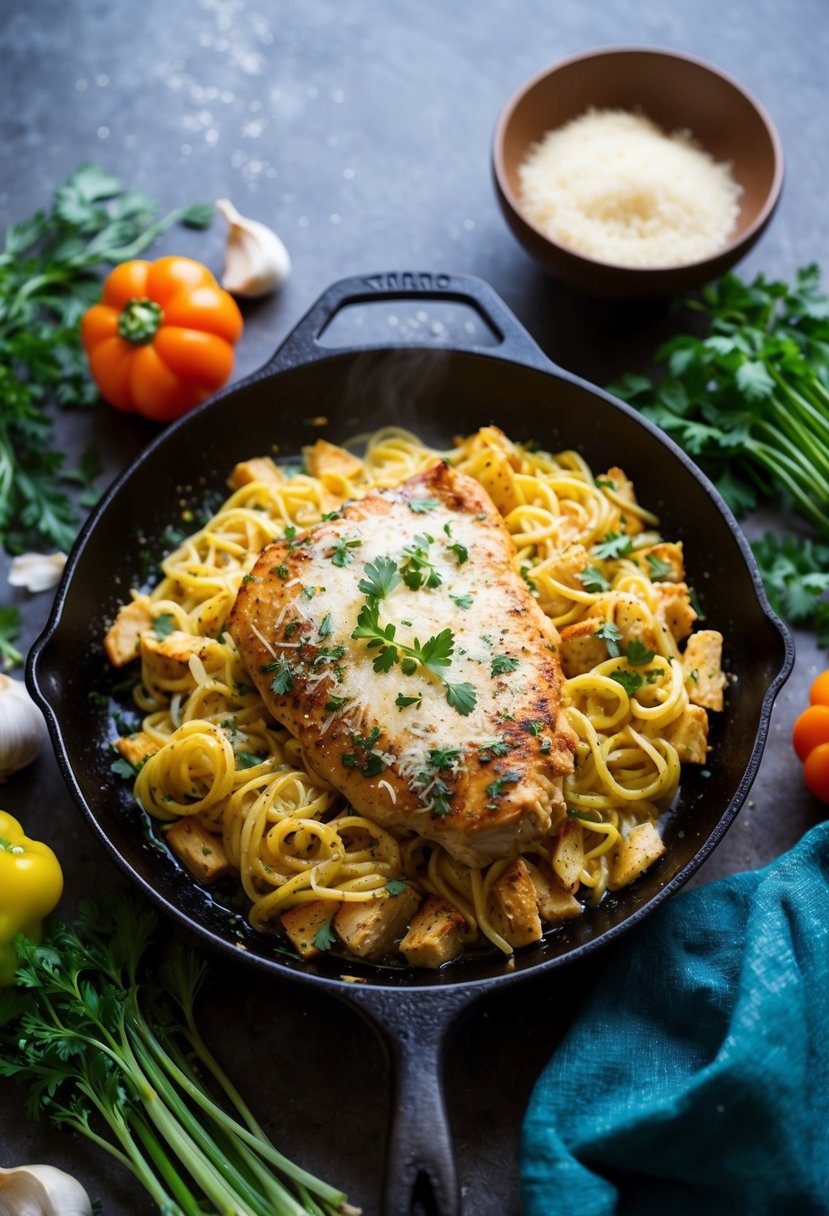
{"points": [[461, 697], [381, 578], [614, 544], [48, 278], [283, 681]]}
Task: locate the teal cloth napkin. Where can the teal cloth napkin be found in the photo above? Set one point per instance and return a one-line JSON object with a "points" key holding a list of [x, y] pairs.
{"points": [[695, 1080]]}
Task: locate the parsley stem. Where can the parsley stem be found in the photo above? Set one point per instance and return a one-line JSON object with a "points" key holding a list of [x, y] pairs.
{"points": [[251, 1135], [205, 1145], [178, 1188]]}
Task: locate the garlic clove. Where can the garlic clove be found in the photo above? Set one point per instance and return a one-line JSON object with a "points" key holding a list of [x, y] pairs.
{"points": [[256, 261], [37, 571], [22, 730], [41, 1190]]}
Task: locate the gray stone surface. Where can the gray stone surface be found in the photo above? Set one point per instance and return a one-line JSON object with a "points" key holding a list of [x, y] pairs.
{"points": [[361, 133]]}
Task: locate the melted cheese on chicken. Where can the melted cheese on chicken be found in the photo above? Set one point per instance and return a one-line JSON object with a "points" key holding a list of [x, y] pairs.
{"points": [[442, 716]]}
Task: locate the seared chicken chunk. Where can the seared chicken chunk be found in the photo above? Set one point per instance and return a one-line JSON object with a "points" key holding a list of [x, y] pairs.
{"points": [[398, 644]]}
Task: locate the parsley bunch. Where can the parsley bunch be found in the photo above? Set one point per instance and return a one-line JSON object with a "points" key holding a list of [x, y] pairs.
{"points": [[749, 399], [108, 1045], [48, 278]]}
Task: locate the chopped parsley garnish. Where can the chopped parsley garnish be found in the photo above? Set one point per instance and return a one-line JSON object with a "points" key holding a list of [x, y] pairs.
{"points": [[247, 759], [325, 625], [341, 554], [447, 527], [418, 569], [612, 635], [593, 580], [291, 628], [329, 515], [546, 744], [421, 505], [533, 728], [350, 760], [381, 578], [289, 533], [637, 654], [440, 803], [395, 886], [493, 747], [373, 766], [605, 481], [463, 601], [525, 574], [163, 625], [497, 787], [501, 664], [614, 544], [366, 742], [657, 568], [283, 681], [335, 703], [326, 654], [402, 701], [443, 757], [461, 552], [324, 937], [632, 681]]}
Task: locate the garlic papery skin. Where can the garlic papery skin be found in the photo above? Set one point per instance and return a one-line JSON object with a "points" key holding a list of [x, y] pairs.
{"points": [[22, 730], [256, 261], [37, 571], [41, 1190]]}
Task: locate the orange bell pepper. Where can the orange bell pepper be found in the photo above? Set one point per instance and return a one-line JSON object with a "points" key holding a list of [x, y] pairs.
{"points": [[161, 339]]}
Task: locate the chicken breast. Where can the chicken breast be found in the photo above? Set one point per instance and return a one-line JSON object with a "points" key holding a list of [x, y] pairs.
{"points": [[397, 643]]}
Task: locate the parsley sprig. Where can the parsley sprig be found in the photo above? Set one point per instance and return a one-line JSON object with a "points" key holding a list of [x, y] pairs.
{"points": [[49, 268], [434, 655]]}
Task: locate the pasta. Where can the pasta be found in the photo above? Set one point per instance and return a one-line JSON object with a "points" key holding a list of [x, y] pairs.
{"points": [[235, 794]]}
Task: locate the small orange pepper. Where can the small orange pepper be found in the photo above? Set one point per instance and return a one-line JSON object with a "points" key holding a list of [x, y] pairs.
{"points": [[162, 337]]}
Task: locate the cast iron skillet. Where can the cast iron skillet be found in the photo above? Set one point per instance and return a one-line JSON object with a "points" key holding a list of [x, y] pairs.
{"points": [[439, 392]]}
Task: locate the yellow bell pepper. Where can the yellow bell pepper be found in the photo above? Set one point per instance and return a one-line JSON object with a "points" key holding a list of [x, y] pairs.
{"points": [[31, 883]]}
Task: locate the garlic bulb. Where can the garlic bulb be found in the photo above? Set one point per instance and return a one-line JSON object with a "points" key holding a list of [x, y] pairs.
{"points": [[22, 729], [41, 1190], [37, 571], [256, 261]]}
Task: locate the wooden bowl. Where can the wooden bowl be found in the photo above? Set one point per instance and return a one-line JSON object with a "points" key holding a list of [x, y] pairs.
{"points": [[677, 93]]}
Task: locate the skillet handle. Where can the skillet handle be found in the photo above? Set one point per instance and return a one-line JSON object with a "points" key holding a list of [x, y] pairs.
{"points": [[511, 339], [419, 1163]]}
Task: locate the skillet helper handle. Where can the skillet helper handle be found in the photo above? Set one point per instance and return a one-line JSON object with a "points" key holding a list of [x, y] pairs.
{"points": [[419, 1164], [511, 339]]}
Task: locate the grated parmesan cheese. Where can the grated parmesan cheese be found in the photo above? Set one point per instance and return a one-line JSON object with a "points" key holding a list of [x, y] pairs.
{"points": [[613, 186]]}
